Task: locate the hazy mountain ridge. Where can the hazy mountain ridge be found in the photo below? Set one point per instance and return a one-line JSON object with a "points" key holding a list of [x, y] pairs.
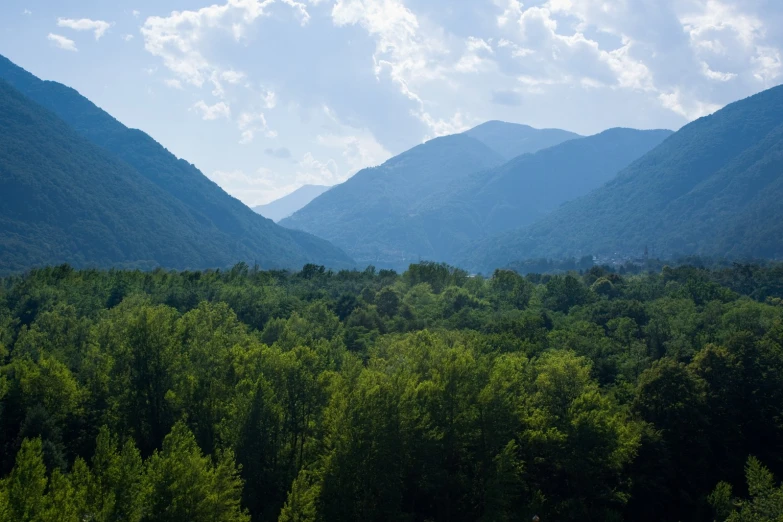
{"points": [[219, 222], [529, 186], [283, 207], [431, 201], [713, 188], [366, 214], [513, 139]]}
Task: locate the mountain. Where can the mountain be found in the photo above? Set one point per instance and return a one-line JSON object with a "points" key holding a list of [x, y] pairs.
{"points": [[512, 139], [366, 215], [287, 205], [104, 194], [526, 188], [713, 188]]}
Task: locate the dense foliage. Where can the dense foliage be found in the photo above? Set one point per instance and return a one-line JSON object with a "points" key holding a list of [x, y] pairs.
{"points": [[428, 395], [713, 188], [80, 187]]}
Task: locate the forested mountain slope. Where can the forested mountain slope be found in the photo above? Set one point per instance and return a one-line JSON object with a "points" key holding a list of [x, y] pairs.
{"points": [[715, 188], [65, 199], [512, 139], [283, 207], [225, 229], [366, 215], [524, 189]]}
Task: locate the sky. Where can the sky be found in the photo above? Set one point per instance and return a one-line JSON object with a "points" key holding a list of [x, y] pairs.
{"points": [[267, 95]]}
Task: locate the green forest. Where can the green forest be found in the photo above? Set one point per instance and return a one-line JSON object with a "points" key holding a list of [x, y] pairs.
{"points": [[429, 395]]}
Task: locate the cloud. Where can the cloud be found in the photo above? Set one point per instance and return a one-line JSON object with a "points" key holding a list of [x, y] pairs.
{"points": [[716, 75], [442, 127], [280, 152], [696, 55], [301, 11], [128, 37], [269, 99], [27, 12], [212, 112], [357, 147], [174, 84], [232, 76], [408, 54], [135, 13], [99, 27], [252, 123], [62, 42], [179, 39], [689, 109], [475, 59], [358, 151], [317, 172]]}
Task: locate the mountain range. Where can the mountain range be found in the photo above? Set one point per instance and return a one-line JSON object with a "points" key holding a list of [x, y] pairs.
{"points": [[434, 200], [283, 207], [713, 188], [80, 187]]}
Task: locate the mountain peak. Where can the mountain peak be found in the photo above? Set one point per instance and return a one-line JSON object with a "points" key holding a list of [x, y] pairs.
{"points": [[513, 139]]}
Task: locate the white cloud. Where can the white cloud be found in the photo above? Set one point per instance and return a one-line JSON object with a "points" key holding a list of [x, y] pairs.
{"points": [[128, 37], [62, 42], [99, 27], [135, 13], [441, 127], [716, 75], [688, 109], [301, 10], [174, 84], [767, 65], [358, 151], [179, 39], [476, 57], [212, 112], [232, 76], [402, 48], [252, 123], [512, 11], [357, 147], [269, 99], [674, 52], [27, 12]]}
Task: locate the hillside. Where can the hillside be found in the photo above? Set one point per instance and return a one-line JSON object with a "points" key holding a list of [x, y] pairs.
{"points": [[524, 189], [366, 215], [220, 229], [283, 207], [512, 139], [713, 188]]}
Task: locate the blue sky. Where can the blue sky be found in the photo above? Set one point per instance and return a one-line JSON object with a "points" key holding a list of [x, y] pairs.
{"points": [[266, 95]]}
